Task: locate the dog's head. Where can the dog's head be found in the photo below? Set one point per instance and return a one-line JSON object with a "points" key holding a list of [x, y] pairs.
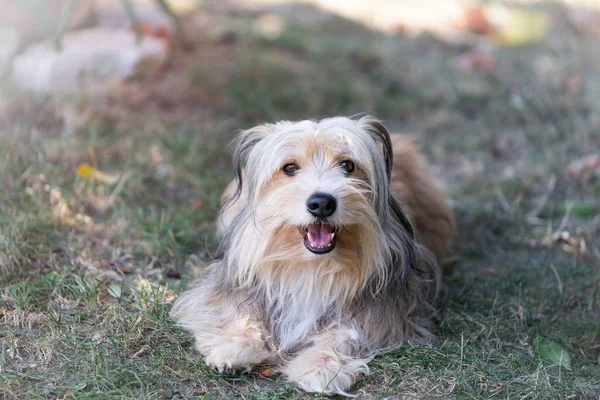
{"points": [[318, 190]]}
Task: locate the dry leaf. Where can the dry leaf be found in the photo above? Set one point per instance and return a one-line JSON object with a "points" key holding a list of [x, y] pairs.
{"points": [[162, 32], [196, 204], [173, 273], [567, 243], [519, 27], [125, 270], [182, 7], [476, 21], [267, 372], [86, 171]]}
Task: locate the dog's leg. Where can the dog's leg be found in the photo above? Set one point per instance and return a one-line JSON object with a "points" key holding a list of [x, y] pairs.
{"points": [[229, 339], [237, 347], [328, 365]]}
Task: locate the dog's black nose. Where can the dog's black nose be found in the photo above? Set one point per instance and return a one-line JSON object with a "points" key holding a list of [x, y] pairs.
{"points": [[321, 205]]}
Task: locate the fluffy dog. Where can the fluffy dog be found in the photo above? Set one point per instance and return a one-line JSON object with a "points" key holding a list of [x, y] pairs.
{"points": [[329, 240]]}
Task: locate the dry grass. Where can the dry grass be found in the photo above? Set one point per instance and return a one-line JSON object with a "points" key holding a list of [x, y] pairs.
{"points": [[89, 270]]}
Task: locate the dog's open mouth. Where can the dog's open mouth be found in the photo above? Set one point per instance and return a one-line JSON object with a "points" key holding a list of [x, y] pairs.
{"points": [[319, 238]]}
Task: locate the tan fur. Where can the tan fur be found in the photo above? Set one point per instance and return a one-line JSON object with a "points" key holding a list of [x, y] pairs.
{"points": [[413, 186]]}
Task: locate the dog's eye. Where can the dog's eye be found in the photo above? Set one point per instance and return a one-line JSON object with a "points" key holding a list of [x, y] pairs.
{"points": [[348, 166], [290, 169]]}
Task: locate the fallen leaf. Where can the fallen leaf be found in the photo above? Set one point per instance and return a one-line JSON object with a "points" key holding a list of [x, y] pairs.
{"points": [[80, 386], [568, 243], [45, 270], [125, 270], [520, 28], [267, 372], [196, 204], [182, 7], [583, 210], [115, 290], [86, 171], [574, 245], [173, 273], [166, 35], [476, 21], [162, 32], [552, 353]]}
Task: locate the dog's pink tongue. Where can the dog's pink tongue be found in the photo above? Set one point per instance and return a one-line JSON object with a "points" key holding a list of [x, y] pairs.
{"points": [[320, 234]]}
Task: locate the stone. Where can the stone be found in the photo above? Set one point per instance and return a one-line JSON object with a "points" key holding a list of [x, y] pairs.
{"points": [[95, 55], [9, 44]]}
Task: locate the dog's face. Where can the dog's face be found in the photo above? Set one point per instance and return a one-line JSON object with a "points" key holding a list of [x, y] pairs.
{"points": [[316, 189]]}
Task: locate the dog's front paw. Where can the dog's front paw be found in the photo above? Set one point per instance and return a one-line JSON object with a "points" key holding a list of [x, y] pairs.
{"points": [[234, 357], [325, 371]]}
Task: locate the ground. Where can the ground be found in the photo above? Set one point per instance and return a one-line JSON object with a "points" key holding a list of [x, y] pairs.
{"points": [[90, 264]]}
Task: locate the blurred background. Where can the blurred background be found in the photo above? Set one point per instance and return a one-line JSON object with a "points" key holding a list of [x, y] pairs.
{"points": [[115, 120]]}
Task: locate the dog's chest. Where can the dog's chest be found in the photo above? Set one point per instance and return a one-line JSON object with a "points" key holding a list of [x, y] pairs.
{"points": [[293, 321]]}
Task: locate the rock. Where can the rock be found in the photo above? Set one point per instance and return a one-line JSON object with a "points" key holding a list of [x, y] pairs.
{"points": [[9, 44], [88, 55], [35, 20]]}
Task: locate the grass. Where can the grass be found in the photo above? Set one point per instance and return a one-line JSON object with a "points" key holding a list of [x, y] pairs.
{"points": [[89, 270]]}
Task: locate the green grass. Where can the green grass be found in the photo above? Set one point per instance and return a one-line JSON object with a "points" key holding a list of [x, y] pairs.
{"points": [[84, 291]]}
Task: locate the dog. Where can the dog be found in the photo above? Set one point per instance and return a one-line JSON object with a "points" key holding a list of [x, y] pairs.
{"points": [[331, 235]]}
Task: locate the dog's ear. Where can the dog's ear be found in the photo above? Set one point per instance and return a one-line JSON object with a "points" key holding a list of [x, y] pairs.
{"points": [[409, 256], [244, 143], [381, 135]]}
